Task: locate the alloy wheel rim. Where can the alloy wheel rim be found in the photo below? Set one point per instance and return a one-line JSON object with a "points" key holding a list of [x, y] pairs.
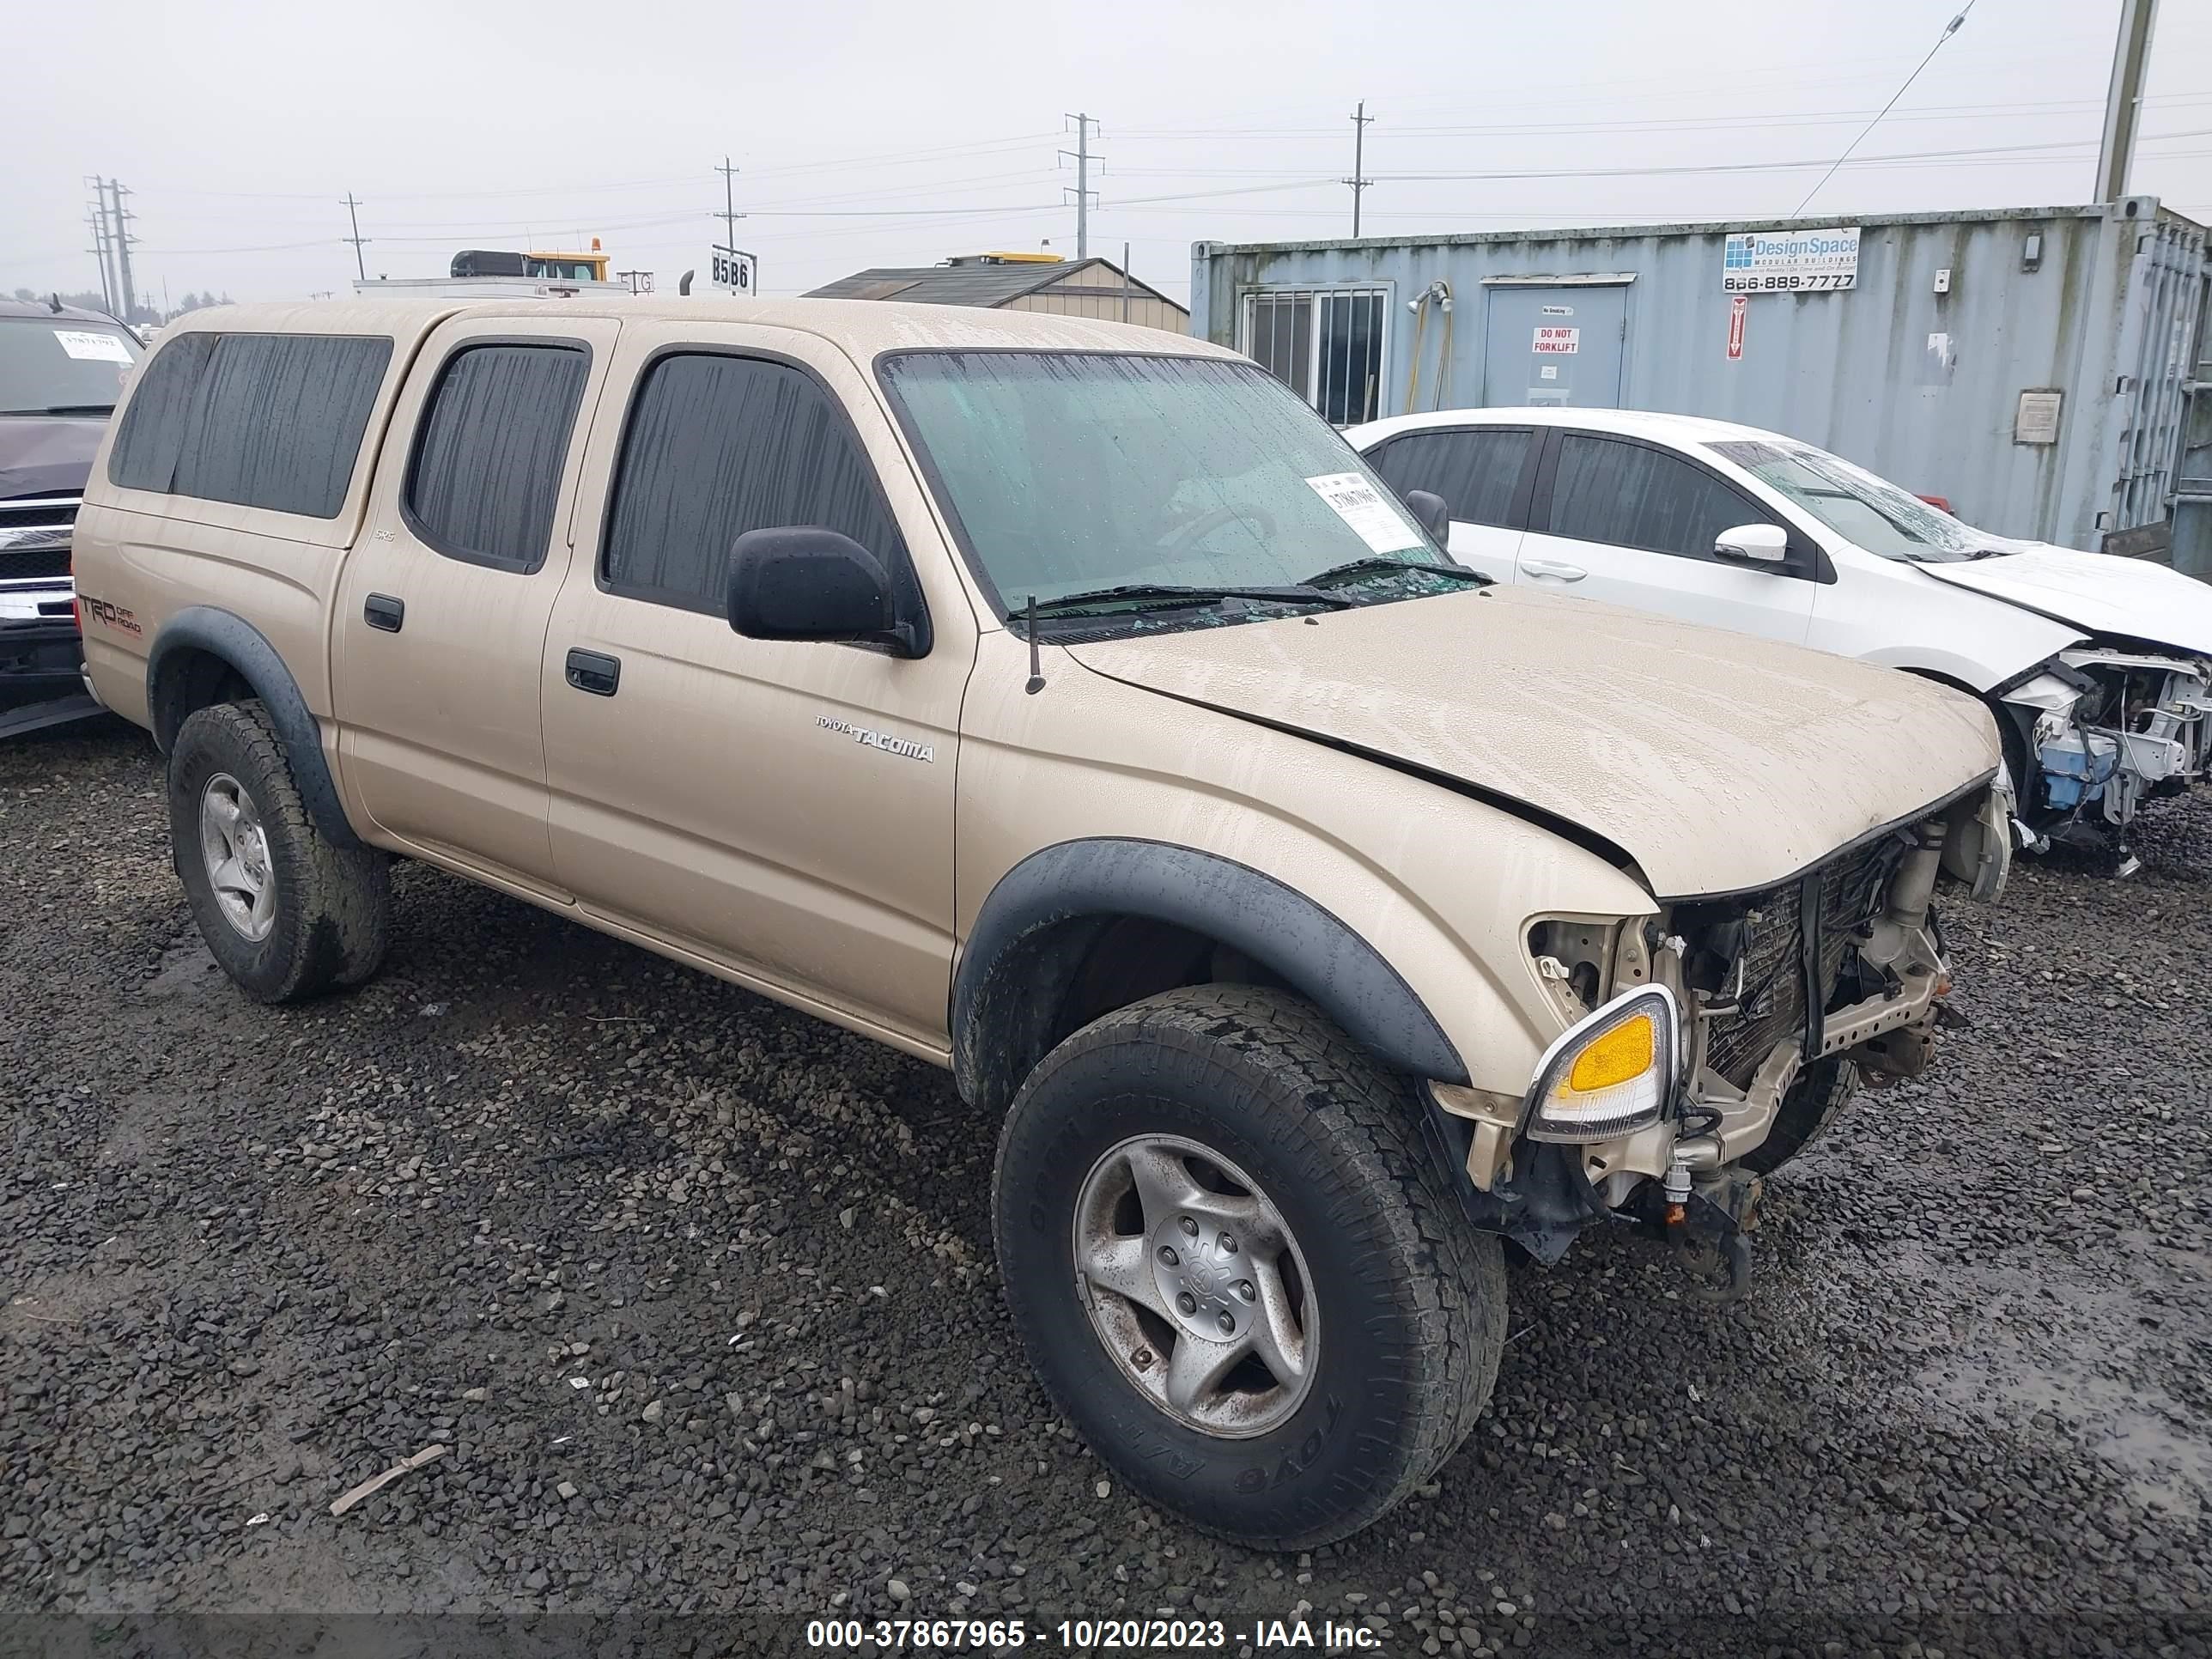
{"points": [[236, 847], [1194, 1284]]}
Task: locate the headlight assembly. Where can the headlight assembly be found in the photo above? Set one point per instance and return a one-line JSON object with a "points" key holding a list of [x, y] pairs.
{"points": [[1609, 1073]]}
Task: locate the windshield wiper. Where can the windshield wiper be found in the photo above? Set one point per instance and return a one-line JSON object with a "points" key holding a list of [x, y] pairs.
{"points": [[64, 409], [1172, 596], [1376, 563]]}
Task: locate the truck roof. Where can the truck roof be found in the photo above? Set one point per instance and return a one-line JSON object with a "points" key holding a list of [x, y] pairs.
{"points": [[863, 327]]}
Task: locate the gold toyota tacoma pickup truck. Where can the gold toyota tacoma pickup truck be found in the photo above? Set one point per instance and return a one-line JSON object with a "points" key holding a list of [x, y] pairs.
{"points": [[1066, 704]]}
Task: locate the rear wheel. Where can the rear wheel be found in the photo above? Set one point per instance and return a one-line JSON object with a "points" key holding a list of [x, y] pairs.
{"points": [[286, 912], [1238, 1269]]}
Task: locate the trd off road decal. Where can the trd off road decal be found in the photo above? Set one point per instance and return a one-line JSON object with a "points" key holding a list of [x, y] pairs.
{"points": [[110, 616], [904, 748]]}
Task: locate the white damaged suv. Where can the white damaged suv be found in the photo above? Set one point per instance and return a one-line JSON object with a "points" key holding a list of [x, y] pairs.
{"points": [[2094, 665]]}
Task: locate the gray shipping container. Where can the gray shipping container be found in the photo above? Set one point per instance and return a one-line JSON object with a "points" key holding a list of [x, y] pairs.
{"points": [[2045, 371]]}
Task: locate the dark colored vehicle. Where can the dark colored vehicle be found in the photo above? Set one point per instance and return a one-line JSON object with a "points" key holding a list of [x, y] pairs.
{"points": [[61, 371]]}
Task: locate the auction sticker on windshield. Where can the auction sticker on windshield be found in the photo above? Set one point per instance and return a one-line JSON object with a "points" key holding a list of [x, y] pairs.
{"points": [[93, 347], [1373, 519], [1790, 261]]}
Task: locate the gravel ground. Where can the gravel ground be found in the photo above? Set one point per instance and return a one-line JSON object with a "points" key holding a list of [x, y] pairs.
{"points": [[698, 1294]]}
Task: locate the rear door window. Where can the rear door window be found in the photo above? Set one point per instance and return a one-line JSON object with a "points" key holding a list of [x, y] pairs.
{"points": [[1631, 495], [152, 434], [718, 445], [1475, 472], [272, 421], [486, 471]]}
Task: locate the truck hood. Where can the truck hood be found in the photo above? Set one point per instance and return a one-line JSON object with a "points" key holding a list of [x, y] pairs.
{"points": [[46, 454], [2096, 593], [1718, 762]]}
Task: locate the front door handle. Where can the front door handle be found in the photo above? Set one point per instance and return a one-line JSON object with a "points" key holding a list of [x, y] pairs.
{"points": [[1565, 572], [382, 610], [594, 671]]}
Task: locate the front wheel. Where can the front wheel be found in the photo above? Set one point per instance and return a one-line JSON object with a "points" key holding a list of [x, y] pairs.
{"points": [[1239, 1270]]}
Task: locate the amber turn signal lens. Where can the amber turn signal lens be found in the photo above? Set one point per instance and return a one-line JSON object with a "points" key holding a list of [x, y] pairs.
{"points": [[1624, 1052]]}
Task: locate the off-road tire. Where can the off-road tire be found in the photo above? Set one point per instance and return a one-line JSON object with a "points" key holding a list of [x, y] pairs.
{"points": [[333, 903], [1810, 1105], [1410, 1299]]}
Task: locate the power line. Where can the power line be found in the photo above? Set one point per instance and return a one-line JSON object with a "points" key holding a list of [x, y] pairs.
{"points": [[1949, 29], [1887, 159]]}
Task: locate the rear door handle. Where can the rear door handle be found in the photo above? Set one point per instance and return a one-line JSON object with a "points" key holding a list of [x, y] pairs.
{"points": [[382, 610], [594, 671], [1565, 572]]}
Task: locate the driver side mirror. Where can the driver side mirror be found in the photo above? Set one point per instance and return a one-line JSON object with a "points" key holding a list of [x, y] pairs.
{"points": [[1430, 513], [801, 582], [1753, 544]]}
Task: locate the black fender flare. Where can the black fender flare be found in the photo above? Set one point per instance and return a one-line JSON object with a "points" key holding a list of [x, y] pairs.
{"points": [[233, 639], [1311, 950]]}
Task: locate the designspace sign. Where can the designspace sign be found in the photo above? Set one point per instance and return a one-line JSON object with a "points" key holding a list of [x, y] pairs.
{"points": [[1790, 261]]}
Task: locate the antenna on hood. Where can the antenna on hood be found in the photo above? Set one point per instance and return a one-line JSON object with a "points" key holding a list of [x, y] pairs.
{"points": [[1037, 669]]}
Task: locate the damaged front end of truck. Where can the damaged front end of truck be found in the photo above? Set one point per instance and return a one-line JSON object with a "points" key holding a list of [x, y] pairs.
{"points": [[1713, 1042]]}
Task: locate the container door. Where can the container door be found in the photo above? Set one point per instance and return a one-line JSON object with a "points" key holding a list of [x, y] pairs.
{"points": [[2166, 299], [1555, 345], [2192, 485]]}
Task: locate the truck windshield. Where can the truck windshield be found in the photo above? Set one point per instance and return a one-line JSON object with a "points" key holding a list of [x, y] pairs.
{"points": [[1870, 512], [62, 365], [1071, 473]]}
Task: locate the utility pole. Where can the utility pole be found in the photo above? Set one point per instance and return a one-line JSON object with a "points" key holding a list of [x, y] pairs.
{"points": [[359, 241], [97, 219], [119, 233], [1082, 155], [2124, 104], [730, 215], [1124, 281], [1359, 180]]}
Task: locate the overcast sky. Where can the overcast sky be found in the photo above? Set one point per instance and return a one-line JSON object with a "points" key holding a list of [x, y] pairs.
{"points": [[874, 133]]}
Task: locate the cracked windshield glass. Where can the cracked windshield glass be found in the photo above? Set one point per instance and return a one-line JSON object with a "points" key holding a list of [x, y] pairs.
{"points": [[1197, 483], [1871, 512]]}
